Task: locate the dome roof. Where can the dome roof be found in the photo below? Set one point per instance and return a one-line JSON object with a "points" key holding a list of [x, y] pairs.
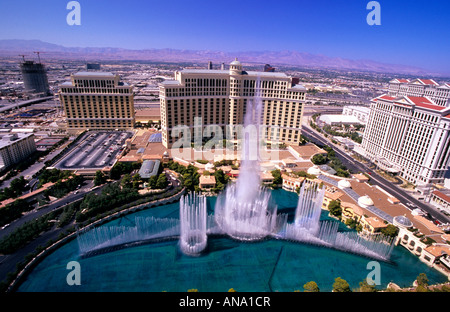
{"points": [[235, 62], [365, 201], [402, 221], [344, 184], [315, 170]]}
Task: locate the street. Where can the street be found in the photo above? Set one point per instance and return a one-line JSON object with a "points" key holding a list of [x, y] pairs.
{"points": [[375, 179], [36, 213]]}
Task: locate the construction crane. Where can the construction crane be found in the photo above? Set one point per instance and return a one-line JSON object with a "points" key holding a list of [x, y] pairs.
{"points": [[37, 52], [23, 57]]}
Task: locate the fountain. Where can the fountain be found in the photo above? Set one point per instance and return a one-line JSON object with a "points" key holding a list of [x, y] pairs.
{"points": [[244, 211], [308, 210], [193, 220], [104, 238]]}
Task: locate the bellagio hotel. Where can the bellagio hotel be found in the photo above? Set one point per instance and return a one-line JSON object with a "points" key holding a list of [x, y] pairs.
{"points": [[96, 101], [219, 97]]}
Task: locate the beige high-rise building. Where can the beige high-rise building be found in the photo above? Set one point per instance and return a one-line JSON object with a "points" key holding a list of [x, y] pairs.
{"points": [[219, 97], [97, 100]]}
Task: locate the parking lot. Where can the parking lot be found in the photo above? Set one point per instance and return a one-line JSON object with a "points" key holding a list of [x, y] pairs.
{"points": [[97, 149]]}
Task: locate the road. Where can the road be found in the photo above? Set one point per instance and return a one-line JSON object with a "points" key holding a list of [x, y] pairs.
{"points": [[8, 262], [34, 168], [36, 213], [375, 179]]}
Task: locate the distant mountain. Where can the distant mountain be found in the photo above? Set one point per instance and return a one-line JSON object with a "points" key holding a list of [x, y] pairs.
{"points": [[16, 47]]}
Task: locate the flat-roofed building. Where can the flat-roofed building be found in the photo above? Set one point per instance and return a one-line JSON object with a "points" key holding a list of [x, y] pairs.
{"points": [[207, 182], [220, 97], [409, 136], [339, 120], [15, 148], [96, 101], [360, 112]]}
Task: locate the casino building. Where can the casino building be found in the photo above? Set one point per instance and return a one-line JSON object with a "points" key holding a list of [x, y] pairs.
{"points": [[220, 97], [409, 136], [97, 101]]}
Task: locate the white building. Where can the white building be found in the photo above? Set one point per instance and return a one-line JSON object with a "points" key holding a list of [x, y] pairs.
{"points": [[338, 120], [360, 112], [219, 97], [409, 136], [15, 148], [439, 94]]}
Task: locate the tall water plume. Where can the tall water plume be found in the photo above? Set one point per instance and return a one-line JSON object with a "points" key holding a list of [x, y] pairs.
{"points": [[244, 210], [193, 219]]}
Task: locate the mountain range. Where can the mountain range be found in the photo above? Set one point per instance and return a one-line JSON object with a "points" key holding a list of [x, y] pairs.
{"points": [[15, 47]]}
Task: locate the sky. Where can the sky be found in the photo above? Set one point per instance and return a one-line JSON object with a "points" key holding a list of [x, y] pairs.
{"points": [[412, 32]]}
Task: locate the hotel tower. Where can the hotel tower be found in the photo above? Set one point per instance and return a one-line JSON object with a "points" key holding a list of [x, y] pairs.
{"points": [[409, 136], [96, 101], [219, 97]]}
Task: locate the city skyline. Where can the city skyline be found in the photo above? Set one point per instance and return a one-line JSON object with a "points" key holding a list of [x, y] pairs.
{"points": [[410, 32]]}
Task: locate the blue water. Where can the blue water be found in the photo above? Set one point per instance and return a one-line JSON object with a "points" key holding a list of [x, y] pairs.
{"points": [[269, 265]]}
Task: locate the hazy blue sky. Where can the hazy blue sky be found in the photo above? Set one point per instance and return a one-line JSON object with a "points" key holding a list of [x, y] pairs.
{"points": [[412, 32]]}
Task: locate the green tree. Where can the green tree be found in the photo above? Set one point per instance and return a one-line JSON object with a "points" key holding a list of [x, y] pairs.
{"points": [[221, 180], [422, 283], [335, 208], [99, 178], [319, 159], [351, 223], [365, 287], [311, 287], [18, 185], [136, 180], [152, 181], [188, 183], [126, 181], [277, 179], [162, 182], [121, 168], [341, 285], [391, 230]]}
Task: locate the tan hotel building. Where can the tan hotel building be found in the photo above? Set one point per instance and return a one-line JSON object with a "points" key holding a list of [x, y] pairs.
{"points": [[219, 97], [97, 100]]}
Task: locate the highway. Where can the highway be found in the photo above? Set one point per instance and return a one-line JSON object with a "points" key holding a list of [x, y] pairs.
{"points": [[24, 103], [375, 179]]}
